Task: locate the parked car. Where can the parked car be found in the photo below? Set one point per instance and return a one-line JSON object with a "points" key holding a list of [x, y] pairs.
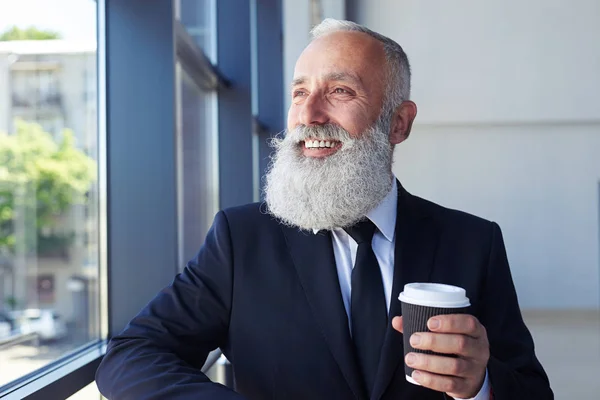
{"points": [[46, 323], [7, 325]]}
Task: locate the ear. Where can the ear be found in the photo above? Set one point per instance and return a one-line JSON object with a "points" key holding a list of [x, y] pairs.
{"points": [[402, 122]]}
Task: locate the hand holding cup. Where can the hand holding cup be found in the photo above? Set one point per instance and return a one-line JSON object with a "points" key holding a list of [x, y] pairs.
{"points": [[445, 349]]}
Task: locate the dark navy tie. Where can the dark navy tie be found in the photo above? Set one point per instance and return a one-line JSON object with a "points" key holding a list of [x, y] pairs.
{"points": [[368, 311]]}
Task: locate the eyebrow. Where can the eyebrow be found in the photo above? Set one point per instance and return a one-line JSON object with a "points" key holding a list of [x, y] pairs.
{"points": [[332, 76]]}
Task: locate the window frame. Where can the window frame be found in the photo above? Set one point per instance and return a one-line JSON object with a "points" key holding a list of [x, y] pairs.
{"points": [[59, 379], [128, 192]]}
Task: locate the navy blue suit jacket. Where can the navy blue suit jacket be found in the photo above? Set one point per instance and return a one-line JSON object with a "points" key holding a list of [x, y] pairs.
{"points": [[269, 297]]}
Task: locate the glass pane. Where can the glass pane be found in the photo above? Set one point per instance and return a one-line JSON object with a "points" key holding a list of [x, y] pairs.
{"points": [[197, 169], [198, 17], [48, 182]]}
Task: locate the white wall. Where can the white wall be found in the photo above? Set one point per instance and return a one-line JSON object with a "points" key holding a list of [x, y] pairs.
{"points": [[496, 60], [508, 128], [540, 183]]}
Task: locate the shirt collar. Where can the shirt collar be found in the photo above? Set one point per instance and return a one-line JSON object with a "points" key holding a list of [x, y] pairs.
{"points": [[384, 215]]}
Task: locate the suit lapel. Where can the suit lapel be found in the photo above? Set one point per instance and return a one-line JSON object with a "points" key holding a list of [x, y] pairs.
{"points": [[315, 264], [415, 248]]}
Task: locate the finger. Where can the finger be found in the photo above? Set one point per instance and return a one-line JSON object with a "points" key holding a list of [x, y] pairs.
{"points": [[441, 383], [456, 323], [446, 343], [397, 324], [440, 365]]}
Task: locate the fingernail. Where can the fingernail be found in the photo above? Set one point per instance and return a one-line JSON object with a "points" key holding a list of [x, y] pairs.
{"points": [[416, 375], [415, 339], [411, 358], [433, 323]]}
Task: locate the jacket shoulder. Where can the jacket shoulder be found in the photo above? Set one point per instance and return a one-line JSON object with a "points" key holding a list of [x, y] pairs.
{"points": [[248, 215], [471, 236], [449, 217]]}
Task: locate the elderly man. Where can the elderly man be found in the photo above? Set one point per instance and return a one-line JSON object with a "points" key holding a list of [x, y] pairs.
{"points": [[301, 292]]}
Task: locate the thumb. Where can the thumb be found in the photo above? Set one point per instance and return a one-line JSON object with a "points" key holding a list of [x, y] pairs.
{"points": [[397, 324]]}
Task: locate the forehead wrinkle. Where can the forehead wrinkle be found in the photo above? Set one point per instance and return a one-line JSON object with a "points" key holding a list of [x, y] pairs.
{"points": [[332, 76], [344, 77], [298, 81]]}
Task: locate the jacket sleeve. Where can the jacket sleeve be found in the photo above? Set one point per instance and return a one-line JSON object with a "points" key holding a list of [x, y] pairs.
{"points": [[514, 371], [161, 351]]}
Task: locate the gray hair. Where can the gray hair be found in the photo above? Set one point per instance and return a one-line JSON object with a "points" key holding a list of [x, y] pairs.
{"points": [[398, 67]]}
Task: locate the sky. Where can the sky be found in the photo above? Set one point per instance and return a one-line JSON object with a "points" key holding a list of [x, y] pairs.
{"points": [[74, 19]]}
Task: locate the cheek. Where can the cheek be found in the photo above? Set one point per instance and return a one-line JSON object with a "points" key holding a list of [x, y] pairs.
{"points": [[292, 117], [355, 125], [354, 118]]}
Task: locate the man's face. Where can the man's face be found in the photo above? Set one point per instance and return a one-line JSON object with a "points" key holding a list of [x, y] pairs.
{"points": [[338, 80], [334, 164]]}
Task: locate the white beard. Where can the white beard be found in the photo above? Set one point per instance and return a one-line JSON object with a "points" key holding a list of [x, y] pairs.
{"points": [[332, 192]]}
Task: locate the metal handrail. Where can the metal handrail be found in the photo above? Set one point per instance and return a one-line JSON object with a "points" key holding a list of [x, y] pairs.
{"points": [[211, 360], [206, 75], [17, 339], [224, 371]]}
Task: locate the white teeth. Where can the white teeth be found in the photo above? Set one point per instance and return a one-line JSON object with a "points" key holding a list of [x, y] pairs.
{"points": [[315, 144]]}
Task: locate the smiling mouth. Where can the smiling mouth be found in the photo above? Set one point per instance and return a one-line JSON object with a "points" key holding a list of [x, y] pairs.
{"points": [[321, 144], [319, 148]]}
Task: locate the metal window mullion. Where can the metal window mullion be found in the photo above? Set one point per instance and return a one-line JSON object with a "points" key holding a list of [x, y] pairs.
{"points": [[141, 123], [234, 103], [269, 86]]}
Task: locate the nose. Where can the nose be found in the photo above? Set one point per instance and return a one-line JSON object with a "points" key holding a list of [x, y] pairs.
{"points": [[314, 111]]}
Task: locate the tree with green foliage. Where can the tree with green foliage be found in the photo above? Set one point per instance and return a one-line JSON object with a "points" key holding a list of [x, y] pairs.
{"points": [[41, 177], [30, 33]]}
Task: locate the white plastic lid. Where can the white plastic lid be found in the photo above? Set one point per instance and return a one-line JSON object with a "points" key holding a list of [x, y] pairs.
{"points": [[434, 295]]}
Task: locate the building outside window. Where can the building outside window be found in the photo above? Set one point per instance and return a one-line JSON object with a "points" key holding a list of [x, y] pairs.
{"points": [[48, 184]]}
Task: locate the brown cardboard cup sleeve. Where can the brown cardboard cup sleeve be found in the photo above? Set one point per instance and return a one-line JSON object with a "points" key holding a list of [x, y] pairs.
{"points": [[420, 302]]}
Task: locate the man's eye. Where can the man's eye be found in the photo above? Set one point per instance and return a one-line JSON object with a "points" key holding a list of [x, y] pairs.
{"points": [[340, 91], [299, 93]]}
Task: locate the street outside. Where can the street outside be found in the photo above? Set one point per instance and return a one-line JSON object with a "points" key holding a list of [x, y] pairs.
{"points": [[22, 359]]}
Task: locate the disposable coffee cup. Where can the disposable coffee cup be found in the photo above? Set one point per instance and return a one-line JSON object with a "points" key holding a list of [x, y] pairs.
{"points": [[421, 301]]}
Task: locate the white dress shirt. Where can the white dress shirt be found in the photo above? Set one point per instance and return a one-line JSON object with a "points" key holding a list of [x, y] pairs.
{"points": [[384, 240]]}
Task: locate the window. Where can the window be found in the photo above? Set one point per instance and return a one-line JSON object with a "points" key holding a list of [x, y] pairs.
{"points": [[48, 184], [198, 17], [129, 207], [34, 84], [197, 165], [196, 136]]}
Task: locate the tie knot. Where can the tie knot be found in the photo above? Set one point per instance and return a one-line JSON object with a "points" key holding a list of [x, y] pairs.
{"points": [[362, 232]]}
